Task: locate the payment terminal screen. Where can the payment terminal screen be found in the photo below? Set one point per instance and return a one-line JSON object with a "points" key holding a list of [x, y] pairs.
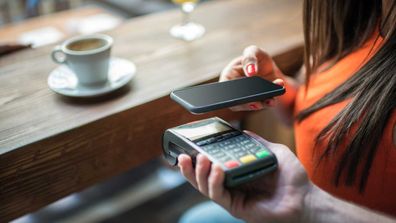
{"points": [[196, 132]]}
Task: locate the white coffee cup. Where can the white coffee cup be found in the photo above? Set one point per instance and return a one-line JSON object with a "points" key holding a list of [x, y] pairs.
{"points": [[87, 56]]}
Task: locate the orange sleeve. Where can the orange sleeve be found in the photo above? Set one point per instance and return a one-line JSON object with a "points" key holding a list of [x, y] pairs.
{"points": [[287, 99]]}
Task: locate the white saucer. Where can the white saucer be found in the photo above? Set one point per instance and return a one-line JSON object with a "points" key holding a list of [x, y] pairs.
{"points": [[63, 81]]}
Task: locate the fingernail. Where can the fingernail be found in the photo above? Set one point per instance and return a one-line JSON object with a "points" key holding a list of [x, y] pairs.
{"points": [[253, 106], [270, 102], [251, 69]]}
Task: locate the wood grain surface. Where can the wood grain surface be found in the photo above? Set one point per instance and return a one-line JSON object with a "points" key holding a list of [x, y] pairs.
{"points": [[52, 146]]}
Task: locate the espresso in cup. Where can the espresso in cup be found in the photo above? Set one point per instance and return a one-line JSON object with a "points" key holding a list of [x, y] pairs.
{"points": [[86, 44], [87, 56]]}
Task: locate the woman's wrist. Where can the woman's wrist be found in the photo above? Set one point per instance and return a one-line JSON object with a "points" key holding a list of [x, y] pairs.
{"points": [[319, 206], [308, 212]]}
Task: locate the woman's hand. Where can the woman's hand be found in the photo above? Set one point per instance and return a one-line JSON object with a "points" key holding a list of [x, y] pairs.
{"points": [[277, 197], [253, 62]]}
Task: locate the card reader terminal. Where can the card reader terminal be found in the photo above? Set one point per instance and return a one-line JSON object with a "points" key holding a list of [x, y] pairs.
{"points": [[242, 158]]}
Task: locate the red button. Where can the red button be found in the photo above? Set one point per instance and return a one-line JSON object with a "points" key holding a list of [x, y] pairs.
{"points": [[231, 164]]}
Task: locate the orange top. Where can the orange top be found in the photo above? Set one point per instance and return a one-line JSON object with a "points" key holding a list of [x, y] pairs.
{"points": [[380, 191]]}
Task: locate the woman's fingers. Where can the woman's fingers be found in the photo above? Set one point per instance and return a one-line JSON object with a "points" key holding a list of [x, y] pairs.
{"points": [[202, 170], [258, 105], [256, 62], [249, 61], [186, 168], [253, 62], [253, 106], [233, 70], [207, 178], [279, 81], [199, 177], [216, 188]]}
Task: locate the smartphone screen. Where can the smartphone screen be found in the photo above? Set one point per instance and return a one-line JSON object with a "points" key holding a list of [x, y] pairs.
{"points": [[208, 97]]}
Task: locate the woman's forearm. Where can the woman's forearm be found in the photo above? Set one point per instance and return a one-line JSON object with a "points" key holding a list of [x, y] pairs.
{"points": [[321, 207]]}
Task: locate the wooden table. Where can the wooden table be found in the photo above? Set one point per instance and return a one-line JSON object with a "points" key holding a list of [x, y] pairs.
{"points": [[52, 146]]}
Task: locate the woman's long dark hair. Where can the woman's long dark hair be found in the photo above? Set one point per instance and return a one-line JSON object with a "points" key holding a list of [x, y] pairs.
{"points": [[333, 29]]}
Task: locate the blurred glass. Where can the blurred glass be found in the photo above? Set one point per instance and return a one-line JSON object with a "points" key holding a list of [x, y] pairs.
{"points": [[187, 30]]}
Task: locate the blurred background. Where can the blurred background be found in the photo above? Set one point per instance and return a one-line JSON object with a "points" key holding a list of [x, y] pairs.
{"points": [[37, 23], [154, 192]]}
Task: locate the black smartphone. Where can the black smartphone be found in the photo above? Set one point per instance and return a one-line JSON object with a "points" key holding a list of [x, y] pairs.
{"points": [[213, 96]]}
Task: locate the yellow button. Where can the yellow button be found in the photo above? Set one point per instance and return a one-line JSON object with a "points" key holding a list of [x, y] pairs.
{"points": [[247, 159]]}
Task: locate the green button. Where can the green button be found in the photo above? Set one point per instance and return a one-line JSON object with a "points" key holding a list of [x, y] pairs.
{"points": [[262, 154]]}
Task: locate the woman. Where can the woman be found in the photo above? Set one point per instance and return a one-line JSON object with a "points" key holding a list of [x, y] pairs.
{"points": [[344, 120]]}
